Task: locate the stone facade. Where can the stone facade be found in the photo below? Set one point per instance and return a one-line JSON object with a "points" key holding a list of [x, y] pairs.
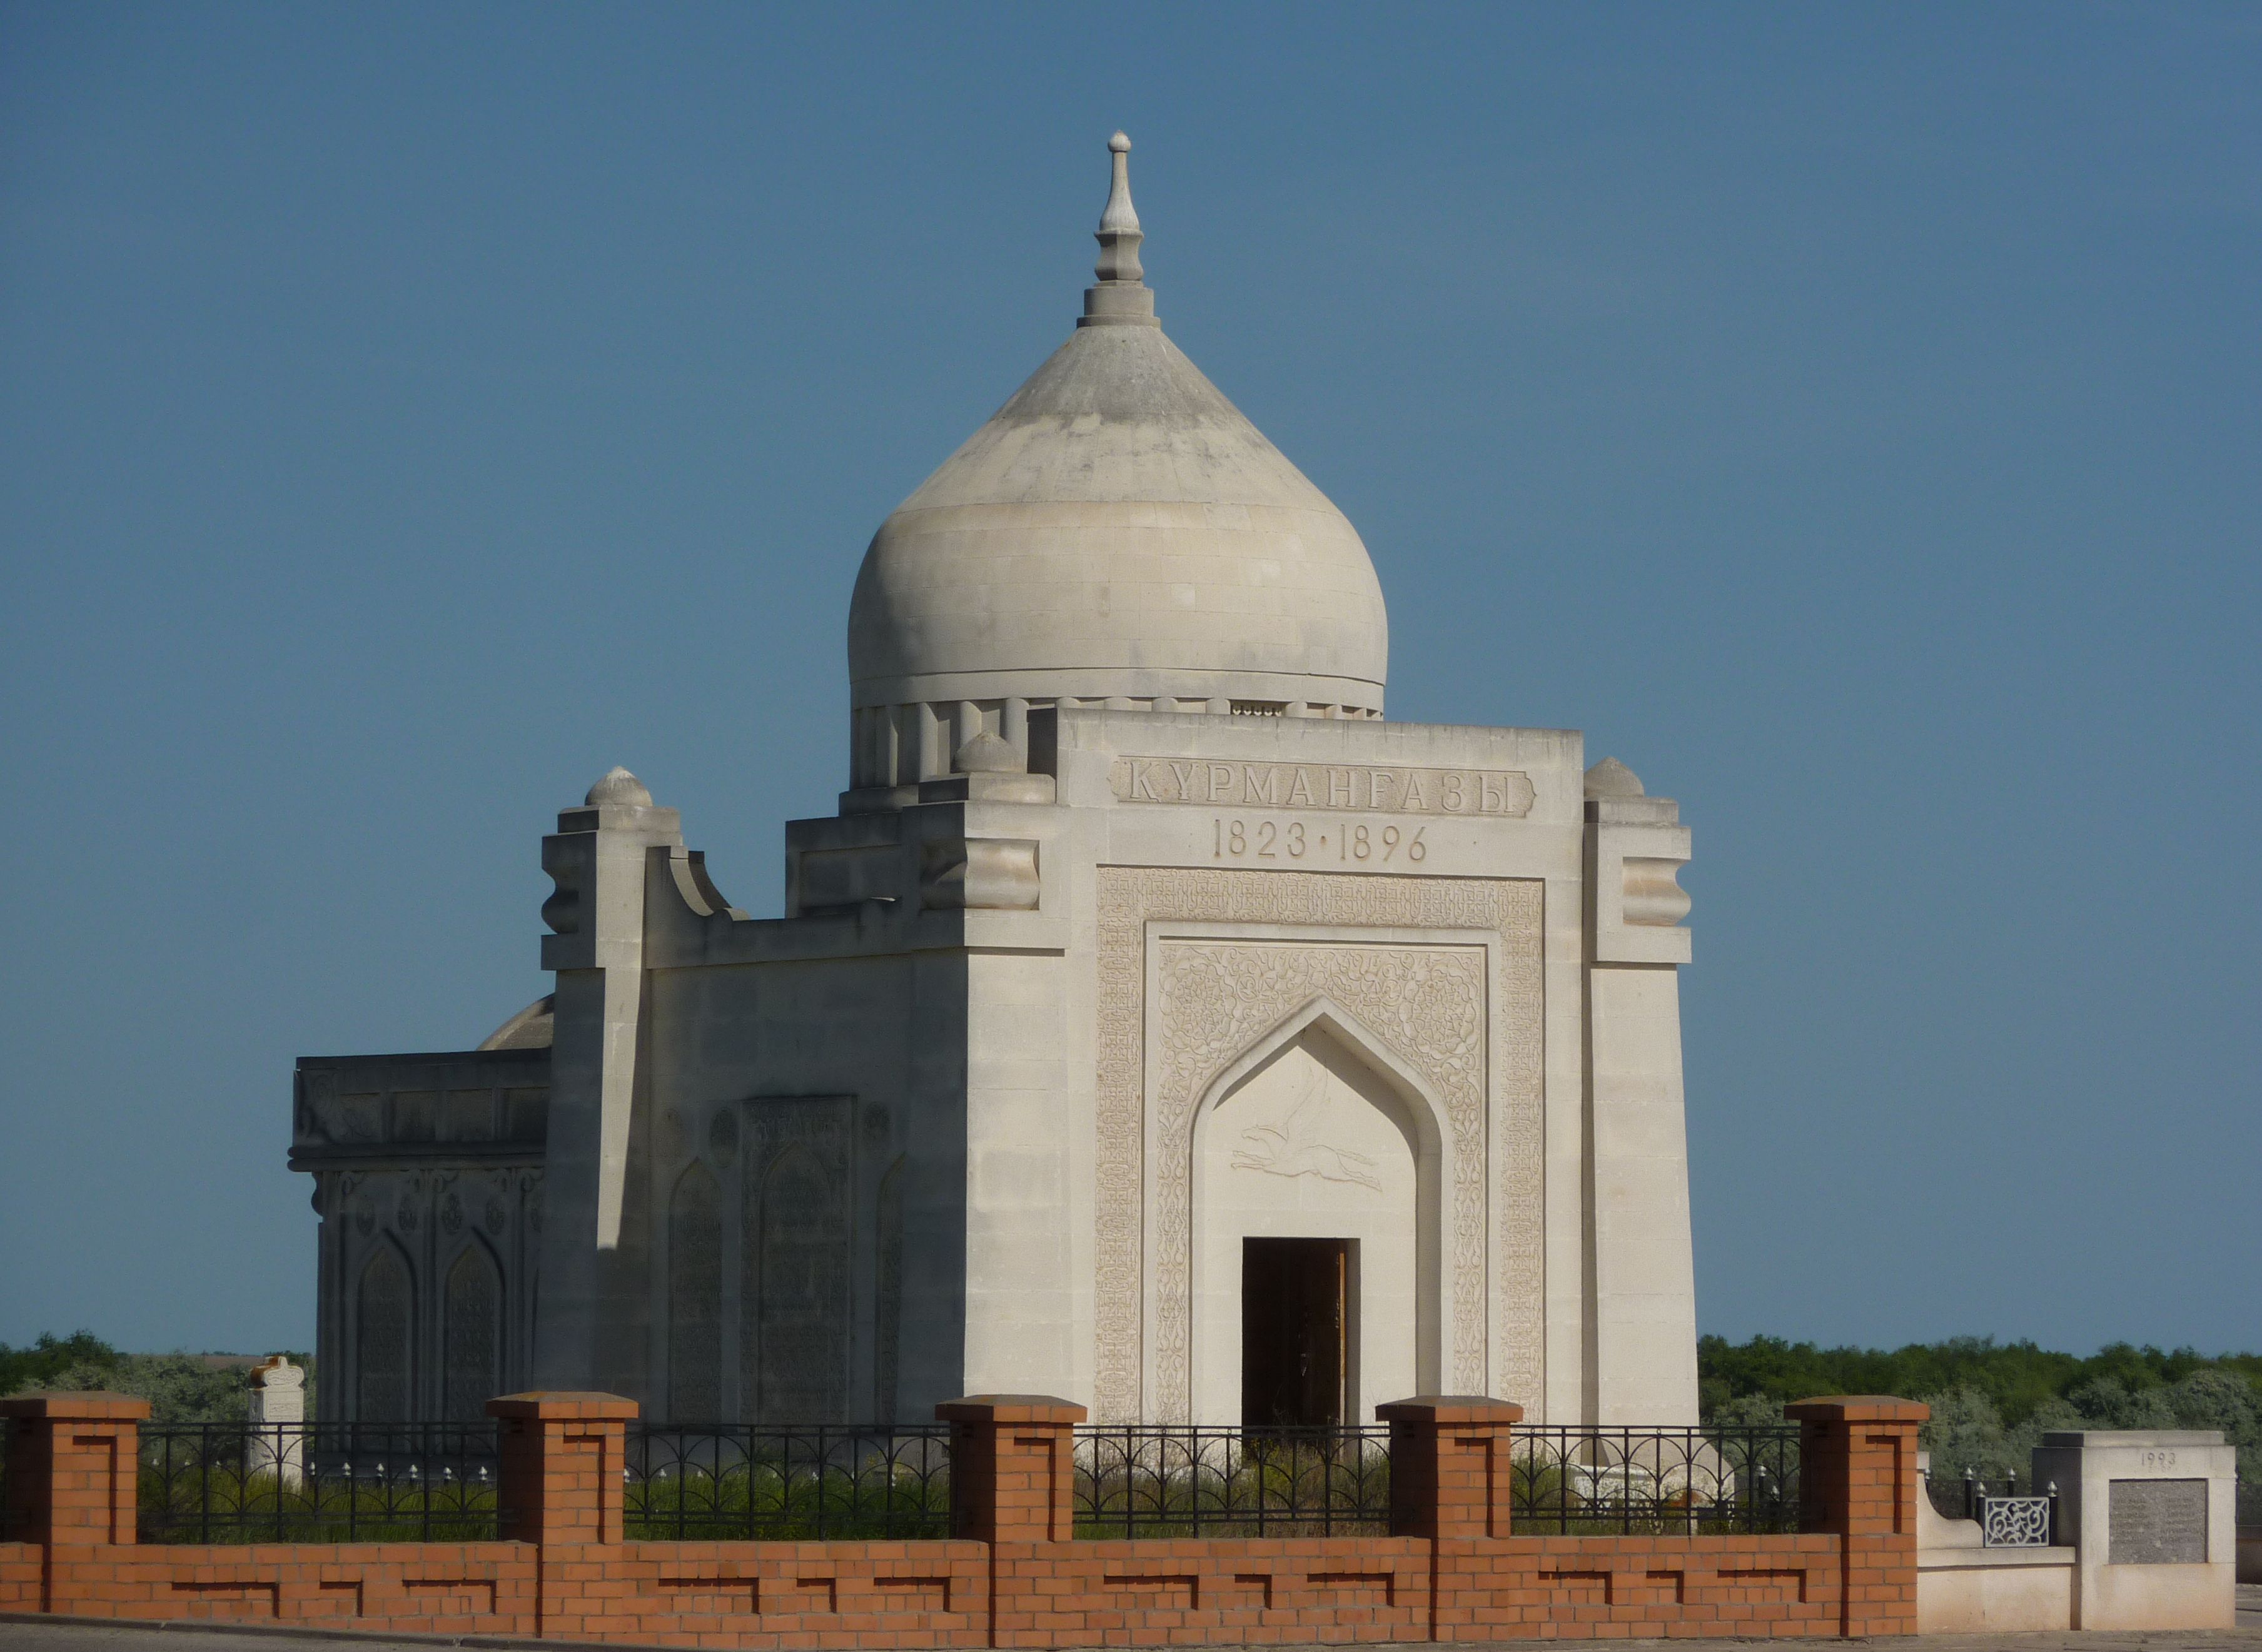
{"points": [[428, 1178], [1141, 939]]}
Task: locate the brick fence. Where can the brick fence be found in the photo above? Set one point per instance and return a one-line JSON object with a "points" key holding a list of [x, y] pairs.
{"points": [[1013, 1574]]}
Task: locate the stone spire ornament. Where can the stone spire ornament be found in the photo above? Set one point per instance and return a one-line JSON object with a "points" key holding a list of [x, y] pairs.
{"points": [[1120, 297], [1120, 234]]}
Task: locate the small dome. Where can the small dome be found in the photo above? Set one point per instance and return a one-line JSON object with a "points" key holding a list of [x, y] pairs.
{"points": [[532, 1028], [1118, 528], [1610, 778], [617, 787]]}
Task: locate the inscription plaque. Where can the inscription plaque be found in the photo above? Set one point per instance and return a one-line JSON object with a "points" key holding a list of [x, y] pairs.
{"points": [[2159, 1523], [1355, 788]]}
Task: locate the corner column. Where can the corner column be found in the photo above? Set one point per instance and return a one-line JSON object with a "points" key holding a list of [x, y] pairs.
{"points": [[1857, 1478], [1642, 1274], [597, 859]]}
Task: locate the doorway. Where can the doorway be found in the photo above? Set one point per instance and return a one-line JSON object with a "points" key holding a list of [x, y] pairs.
{"points": [[1296, 1333]]}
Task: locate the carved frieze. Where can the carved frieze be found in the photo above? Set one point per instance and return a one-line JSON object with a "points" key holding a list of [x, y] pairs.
{"points": [[1337, 787]]}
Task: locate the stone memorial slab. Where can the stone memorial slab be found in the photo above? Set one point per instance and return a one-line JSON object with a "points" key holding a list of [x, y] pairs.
{"points": [[2158, 1522]]}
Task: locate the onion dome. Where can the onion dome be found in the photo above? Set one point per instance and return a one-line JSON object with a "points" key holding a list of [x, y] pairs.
{"points": [[1118, 534]]}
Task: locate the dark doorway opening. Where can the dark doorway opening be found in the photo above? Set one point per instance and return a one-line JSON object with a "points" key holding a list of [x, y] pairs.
{"points": [[1296, 1332]]}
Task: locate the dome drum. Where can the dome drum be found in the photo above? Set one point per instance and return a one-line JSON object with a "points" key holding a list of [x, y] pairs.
{"points": [[900, 745]]}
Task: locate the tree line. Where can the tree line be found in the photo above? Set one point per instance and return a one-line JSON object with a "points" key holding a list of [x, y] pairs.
{"points": [[1992, 1402], [179, 1387]]}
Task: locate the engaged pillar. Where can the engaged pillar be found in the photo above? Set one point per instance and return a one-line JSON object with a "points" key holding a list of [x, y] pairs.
{"points": [[1012, 1467], [71, 1467], [1449, 1465], [562, 1458], [1644, 1300], [1857, 1477]]}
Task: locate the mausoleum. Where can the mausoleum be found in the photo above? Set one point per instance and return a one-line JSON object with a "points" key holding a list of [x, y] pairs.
{"points": [[1157, 1024]]}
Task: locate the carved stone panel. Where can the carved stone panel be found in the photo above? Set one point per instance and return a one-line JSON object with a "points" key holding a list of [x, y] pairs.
{"points": [[794, 1324], [1425, 1003], [384, 1308], [1420, 1006], [695, 1298], [887, 1289], [471, 1363]]}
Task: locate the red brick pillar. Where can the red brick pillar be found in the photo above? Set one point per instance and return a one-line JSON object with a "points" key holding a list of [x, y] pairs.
{"points": [[72, 1460], [1857, 1477], [1449, 1465], [562, 1457], [562, 1489], [1449, 1482], [1012, 1467], [1012, 1488]]}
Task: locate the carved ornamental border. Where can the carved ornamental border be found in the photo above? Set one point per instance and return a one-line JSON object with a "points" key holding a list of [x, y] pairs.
{"points": [[1414, 1013]]}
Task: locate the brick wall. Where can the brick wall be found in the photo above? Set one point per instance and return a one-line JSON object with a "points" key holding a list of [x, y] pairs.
{"points": [[1011, 1574]]}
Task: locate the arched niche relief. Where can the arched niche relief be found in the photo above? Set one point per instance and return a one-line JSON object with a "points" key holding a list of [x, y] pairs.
{"points": [[799, 1272], [1318, 1131], [797, 1251], [888, 1290], [471, 1334], [384, 1321], [694, 1298]]}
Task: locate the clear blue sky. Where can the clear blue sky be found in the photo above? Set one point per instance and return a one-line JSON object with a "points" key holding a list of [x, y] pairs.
{"points": [[1850, 416]]}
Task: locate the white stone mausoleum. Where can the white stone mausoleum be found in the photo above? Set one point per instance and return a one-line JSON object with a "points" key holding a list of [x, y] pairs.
{"points": [[1156, 1024]]}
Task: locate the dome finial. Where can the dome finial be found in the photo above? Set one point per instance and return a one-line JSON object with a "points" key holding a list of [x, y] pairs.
{"points": [[1119, 233], [1119, 297]]}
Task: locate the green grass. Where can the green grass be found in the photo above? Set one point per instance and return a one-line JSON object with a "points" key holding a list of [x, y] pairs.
{"points": [[766, 1501], [1290, 1491], [223, 1504]]}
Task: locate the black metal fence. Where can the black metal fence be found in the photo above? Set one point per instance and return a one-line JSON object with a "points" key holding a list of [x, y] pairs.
{"points": [[2008, 1516], [1575, 1480], [815, 1482], [1148, 1481], [331, 1483], [2249, 1506], [319, 1483]]}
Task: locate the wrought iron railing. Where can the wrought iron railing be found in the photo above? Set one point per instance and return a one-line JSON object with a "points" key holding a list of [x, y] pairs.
{"points": [[813, 1481], [333, 1482], [2005, 1519], [2249, 1505], [2018, 1522], [319, 1483], [1146, 1480], [1570, 1480]]}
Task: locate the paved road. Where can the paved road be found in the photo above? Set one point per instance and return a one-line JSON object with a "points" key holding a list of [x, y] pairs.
{"points": [[53, 1636]]}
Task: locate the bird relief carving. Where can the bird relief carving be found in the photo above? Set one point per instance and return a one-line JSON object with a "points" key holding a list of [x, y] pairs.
{"points": [[1293, 1147]]}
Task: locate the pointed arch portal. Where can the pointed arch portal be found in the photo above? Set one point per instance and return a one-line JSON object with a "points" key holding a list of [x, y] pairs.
{"points": [[1317, 1158]]}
